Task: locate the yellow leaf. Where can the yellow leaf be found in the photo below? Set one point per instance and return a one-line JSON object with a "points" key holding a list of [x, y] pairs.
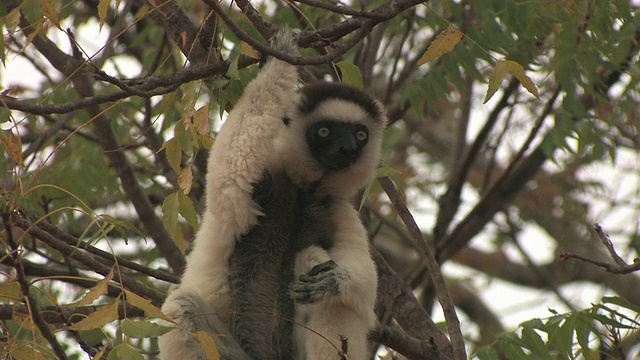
{"points": [[12, 20], [35, 32], [95, 292], [146, 305], [97, 319], [185, 179], [10, 289], [518, 71], [103, 8], [443, 44], [206, 340], [174, 153], [207, 141], [25, 321], [248, 50], [495, 79], [22, 351], [13, 147], [100, 353], [202, 121], [50, 12], [504, 67]]}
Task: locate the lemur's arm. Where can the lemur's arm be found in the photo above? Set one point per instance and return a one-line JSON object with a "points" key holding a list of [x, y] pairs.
{"points": [[240, 154], [237, 161]]}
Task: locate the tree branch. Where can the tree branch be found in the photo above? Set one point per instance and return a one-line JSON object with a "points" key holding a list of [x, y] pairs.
{"points": [[619, 267], [88, 260], [32, 308], [112, 259], [397, 297], [450, 201], [425, 251], [406, 345], [64, 314]]}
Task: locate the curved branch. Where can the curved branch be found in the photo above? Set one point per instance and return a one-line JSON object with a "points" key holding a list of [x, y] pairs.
{"points": [[88, 260], [427, 254], [112, 259], [264, 28], [33, 310], [339, 9], [406, 345], [64, 314], [397, 297], [450, 201]]}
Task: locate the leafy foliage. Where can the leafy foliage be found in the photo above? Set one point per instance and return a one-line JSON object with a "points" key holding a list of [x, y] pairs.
{"points": [[106, 126], [567, 336]]}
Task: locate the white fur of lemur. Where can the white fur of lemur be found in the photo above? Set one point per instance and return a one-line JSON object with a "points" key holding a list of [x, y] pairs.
{"points": [[280, 239]]}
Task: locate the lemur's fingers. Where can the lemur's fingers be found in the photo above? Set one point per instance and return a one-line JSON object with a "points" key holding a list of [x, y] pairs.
{"points": [[322, 281], [323, 267]]}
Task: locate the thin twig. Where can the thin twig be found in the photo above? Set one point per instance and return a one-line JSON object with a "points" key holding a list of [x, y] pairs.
{"points": [[450, 201], [34, 312], [424, 248], [89, 260], [343, 10], [73, 314], [111, 258], [620, 266], [606, 241], [266, 29]]}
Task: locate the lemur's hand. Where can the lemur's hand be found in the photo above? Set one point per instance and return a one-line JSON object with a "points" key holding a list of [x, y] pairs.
{"points": [[284, 41], [322, 281]]}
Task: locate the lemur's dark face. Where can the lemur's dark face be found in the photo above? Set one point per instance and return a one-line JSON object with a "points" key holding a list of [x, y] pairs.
{"points": [[336, 145]]}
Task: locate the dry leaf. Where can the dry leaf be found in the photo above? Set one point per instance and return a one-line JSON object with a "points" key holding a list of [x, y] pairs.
{"points": [[443, 44]]}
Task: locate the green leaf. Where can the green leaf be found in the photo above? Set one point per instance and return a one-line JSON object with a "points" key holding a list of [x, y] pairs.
{"points": [[174, 153], [143, 329], [534, 324], [606, 320], [561, 336], [170, 211], [534, 342], [184, 138], [232, 72], [616, 300], [350, 74], [511, 350], [188, 211], [219, 82], [125, 351], [487, 353], [495, 80], [32, 10]]}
